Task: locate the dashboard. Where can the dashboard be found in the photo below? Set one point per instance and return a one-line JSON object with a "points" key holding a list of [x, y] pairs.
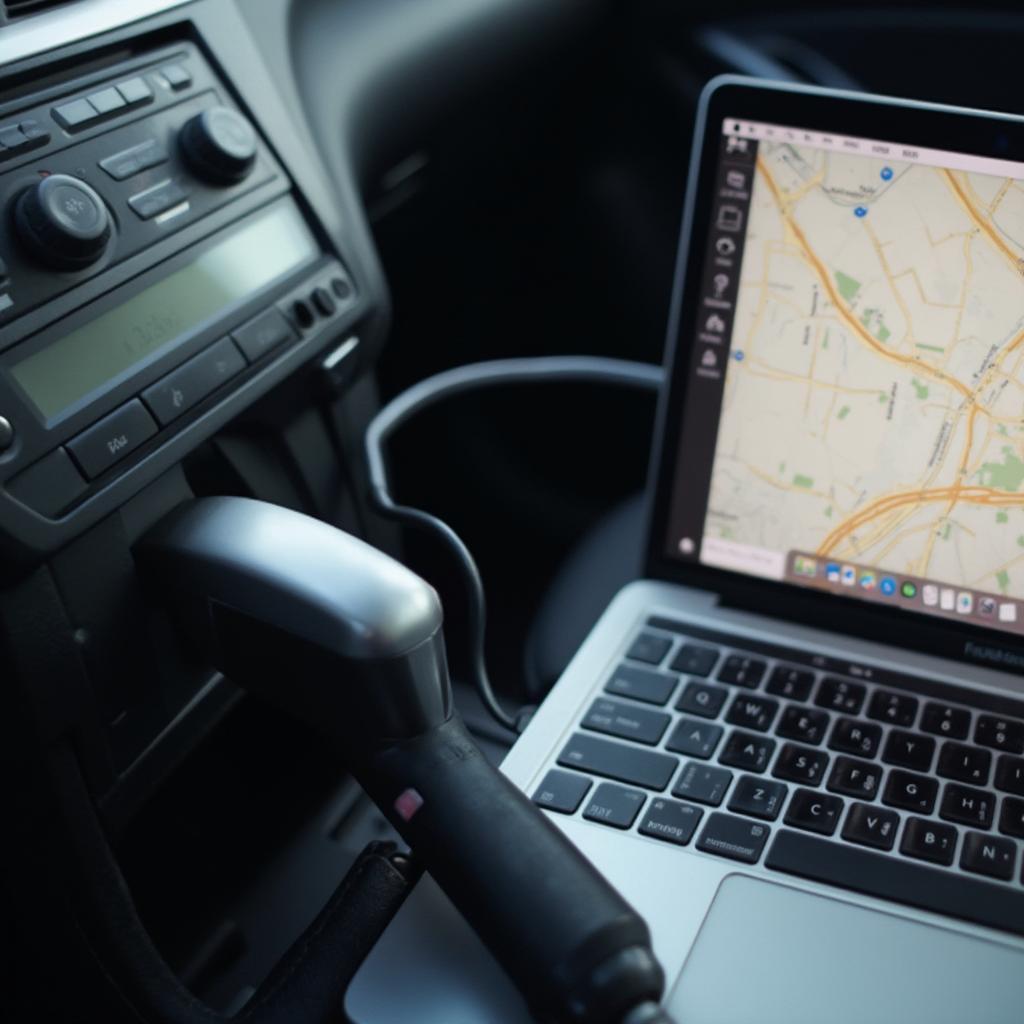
{"points": [[161, 272], [192, 303]]}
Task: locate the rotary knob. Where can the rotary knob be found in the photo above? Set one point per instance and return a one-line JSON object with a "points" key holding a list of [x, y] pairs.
{"points": [[219, 145], [62, 222]]}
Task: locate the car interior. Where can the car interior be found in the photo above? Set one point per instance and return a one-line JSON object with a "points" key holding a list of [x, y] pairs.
{"points": [[306, 302]]}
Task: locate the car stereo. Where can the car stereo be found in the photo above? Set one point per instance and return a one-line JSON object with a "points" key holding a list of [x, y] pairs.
{"points": [[156, 263]]}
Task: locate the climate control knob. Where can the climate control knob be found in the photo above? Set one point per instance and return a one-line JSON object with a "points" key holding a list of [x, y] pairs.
{"points": [[62, 222], [219, 145]]}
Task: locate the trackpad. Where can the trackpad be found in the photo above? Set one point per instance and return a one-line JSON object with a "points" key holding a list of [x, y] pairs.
{"points": [[769, 953]]}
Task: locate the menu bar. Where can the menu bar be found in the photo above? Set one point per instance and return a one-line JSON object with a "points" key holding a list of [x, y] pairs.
{"points": [[762, 132], [997, 611]]}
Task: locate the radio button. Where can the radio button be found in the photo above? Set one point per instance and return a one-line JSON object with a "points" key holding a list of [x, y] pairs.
{"points": [[135, 90], [138, 158], [34, 132], [262, 333], [11, 138], [302, 315], [75, 114], [177, 77], [325, 305], [107, 100], [156, 200], [179, 391], [50, 485], [115, 436]]}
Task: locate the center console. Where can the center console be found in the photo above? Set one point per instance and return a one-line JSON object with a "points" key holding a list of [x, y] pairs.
{"points": [[159, 272]]}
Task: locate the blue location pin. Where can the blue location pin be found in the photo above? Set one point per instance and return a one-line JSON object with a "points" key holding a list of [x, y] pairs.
{"points": [[738, 355], [860, 211], [886, 173]]}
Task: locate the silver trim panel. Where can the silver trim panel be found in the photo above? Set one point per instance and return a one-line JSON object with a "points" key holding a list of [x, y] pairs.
{"points": [[73, 22]]}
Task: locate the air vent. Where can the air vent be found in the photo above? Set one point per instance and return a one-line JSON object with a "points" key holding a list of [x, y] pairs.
{"points": [[20, 8]]}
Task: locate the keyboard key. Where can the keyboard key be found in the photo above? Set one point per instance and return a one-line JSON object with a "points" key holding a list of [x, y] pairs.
{"points": [[855, 778], [942, 720], [815, 812], [909, 750], [670, 820], [967, 806], [1010, 774], [840, 695], [894, 708], [758, 797], [614, 805], [963, 763], [1000, 733], [649, 647], [989, 855], [804, 724], [752, 712], [801, 764], [642, 684], [618, 761], [871, 826], [617, 719], [928, 840], [734, 838], [702, 699], [693, 737], [702, 783], [561, 791], [852, 736], [741, 670], [902, 881], [747, 751], [695, 660], [1011, 817], [794, 683], [910, 792]]}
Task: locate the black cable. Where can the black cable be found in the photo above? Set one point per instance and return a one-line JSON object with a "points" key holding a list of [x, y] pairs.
{"points": [[539, 370]]}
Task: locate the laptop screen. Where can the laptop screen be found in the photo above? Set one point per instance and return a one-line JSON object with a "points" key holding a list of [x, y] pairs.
{"points": [[854, 419]]}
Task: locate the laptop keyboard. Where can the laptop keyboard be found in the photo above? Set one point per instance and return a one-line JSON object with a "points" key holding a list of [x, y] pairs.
{"points": [[877, 786]]}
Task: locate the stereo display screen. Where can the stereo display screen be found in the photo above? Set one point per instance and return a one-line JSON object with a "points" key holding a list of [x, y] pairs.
{"points": [[113, 345]]}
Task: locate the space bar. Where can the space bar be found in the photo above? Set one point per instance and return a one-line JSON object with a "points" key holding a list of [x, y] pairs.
{"points": [[902, 881]]}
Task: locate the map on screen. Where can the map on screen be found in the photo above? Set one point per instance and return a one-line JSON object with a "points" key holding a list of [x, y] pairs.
{"points": [[873, 408]]}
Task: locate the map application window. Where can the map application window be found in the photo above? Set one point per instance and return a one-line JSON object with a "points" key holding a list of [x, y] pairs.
{"points": [[860, 346]]}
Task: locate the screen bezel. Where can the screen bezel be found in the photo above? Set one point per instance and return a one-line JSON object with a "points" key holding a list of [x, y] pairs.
{"points": [[815, 109]]}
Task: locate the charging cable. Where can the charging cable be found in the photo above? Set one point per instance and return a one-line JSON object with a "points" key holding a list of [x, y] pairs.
{"points": [[426, 393]]}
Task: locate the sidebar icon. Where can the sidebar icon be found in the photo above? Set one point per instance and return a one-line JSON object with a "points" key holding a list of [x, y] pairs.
{"points": [[733, 185]]}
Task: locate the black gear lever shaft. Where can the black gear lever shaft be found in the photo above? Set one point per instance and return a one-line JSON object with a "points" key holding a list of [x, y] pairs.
{"points": [[346, 638]]}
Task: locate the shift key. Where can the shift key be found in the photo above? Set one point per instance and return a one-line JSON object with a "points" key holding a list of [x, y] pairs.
{"points": [[618, 761]]}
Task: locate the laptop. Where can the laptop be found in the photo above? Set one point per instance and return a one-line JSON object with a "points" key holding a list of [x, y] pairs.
{"points": [[797, 745]]}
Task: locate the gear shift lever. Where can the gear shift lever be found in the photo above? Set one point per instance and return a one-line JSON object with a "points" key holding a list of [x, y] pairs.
{"points": [[349, 640]]}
